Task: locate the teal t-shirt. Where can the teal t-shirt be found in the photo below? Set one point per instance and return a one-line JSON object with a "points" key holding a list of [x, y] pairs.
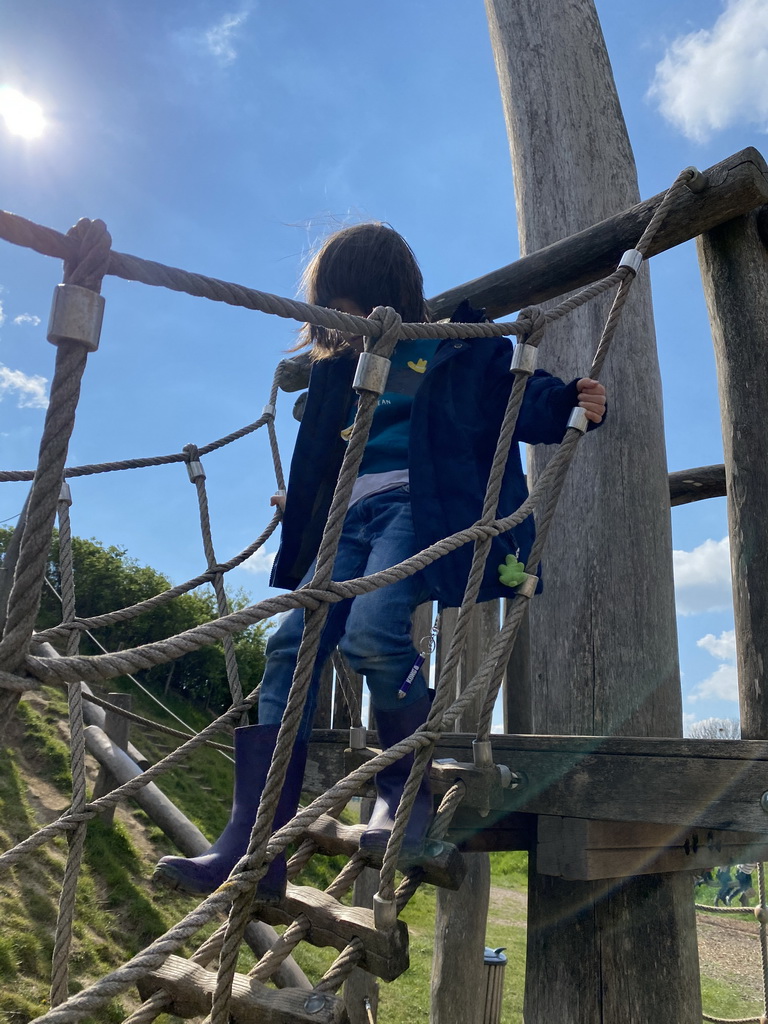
{"points": [[387, 448]]}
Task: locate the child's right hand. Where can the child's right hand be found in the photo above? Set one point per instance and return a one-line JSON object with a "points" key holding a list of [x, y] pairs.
{"points": [[278, 500]]}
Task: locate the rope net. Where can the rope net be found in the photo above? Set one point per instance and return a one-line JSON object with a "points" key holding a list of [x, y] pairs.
{"points": [[87, 254]]}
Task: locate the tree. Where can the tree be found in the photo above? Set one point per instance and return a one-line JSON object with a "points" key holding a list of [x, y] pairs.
{"points": [[715, 729], [106, 578]]}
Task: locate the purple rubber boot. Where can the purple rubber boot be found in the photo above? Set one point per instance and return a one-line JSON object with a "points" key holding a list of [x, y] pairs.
{"points": [[254, 746], [392, 727]]}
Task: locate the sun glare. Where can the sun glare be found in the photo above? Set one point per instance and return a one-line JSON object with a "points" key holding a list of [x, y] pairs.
{"points": [[22, 116]]}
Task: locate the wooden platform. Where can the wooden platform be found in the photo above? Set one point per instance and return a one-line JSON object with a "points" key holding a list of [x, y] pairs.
{"points": [[602, 807]]}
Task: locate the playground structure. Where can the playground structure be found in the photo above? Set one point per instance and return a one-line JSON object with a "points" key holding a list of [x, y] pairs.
{"points": [[588, 809]]}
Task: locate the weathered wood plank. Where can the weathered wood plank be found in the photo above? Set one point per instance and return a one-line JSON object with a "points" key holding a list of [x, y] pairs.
{"points": [[578, 849], [736, 185], [333, 924], [192, 988], [734, 266]]}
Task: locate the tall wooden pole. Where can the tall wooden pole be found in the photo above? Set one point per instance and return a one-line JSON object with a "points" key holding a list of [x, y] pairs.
{"points": [[604, 651], [734, 267]]}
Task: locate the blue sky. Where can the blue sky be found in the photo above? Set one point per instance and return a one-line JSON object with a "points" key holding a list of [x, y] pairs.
{"points": [[227, 138]]}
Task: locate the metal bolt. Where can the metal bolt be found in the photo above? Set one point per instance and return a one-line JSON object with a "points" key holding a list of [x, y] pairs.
{"points": [[314, 1002], [764, 802]]}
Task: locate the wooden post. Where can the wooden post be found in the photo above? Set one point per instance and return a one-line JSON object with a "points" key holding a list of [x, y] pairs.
{"points": [[461, 917], [734, 267], [604, 652], [118, 729], [518, 709], [361, 985]]}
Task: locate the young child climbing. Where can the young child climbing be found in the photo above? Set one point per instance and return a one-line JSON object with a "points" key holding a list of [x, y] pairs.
{"points": [[423, 476]]}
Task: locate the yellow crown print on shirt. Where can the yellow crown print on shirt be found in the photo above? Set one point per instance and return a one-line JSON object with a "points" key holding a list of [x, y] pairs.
{"points": [[419, 367]]}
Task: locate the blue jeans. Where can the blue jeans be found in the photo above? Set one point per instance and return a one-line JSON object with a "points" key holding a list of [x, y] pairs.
{"points": [[373, 630]]}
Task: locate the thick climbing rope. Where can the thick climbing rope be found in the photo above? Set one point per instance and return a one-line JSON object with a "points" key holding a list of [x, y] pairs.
{"points": [[381, 331]]}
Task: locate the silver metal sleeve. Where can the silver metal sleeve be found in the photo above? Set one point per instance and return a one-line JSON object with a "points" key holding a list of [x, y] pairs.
{"points": [[372, 373], [76, 315], [578, 419], [524, 358], [195, 470], [528, 587], [65, 494], [384, 914], [633, 259], [482, 753], [358, 735]]}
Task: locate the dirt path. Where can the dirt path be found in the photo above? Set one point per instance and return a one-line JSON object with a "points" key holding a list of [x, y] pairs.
{"points": [[729, 950]]}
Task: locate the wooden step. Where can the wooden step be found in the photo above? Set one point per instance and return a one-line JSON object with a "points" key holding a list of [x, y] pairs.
{"points": [[191, 988], [442, 863], [333, 924]]}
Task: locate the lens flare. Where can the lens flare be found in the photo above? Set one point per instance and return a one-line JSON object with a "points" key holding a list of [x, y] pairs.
{"points": [[22, 116]]}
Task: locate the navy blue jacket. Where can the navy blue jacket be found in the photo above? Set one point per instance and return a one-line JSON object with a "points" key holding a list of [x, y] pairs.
{"points": [[455, 421]]}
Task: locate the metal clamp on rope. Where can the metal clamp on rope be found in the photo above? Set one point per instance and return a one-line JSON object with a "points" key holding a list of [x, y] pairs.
{"points": [[528, 587], [482, 753], [372, 373], [384, 914], [698, 181], [358, 736], [268, 410], [76, 315], [524, 358], [195, 470], [578, 419], [633, 259], [65, 494]]}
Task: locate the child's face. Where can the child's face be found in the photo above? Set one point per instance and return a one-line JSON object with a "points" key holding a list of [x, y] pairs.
{"points": [[349, 306]]}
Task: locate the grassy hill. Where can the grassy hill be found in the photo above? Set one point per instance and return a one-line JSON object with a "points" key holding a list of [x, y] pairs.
{"points": [[118, 911]]}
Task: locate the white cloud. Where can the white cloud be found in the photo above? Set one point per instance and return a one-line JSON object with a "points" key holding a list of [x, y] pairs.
{"points": [[717, 77], [29, 390], [2, 314], [723, 683], [259, 561], [722, 647], [220, 38], [27, 318], [703, 578]]}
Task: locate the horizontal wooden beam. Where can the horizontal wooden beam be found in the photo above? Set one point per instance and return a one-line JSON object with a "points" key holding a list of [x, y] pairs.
{"points": [[714, 784], [582, 850], [191, 988], [735, 186], [687, 485]]}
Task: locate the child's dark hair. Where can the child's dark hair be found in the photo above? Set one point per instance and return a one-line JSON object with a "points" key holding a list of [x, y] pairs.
{"points": [[372, 265]]}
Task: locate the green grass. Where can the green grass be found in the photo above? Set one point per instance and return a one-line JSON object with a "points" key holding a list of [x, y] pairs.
{"points": [[118, 913]]}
